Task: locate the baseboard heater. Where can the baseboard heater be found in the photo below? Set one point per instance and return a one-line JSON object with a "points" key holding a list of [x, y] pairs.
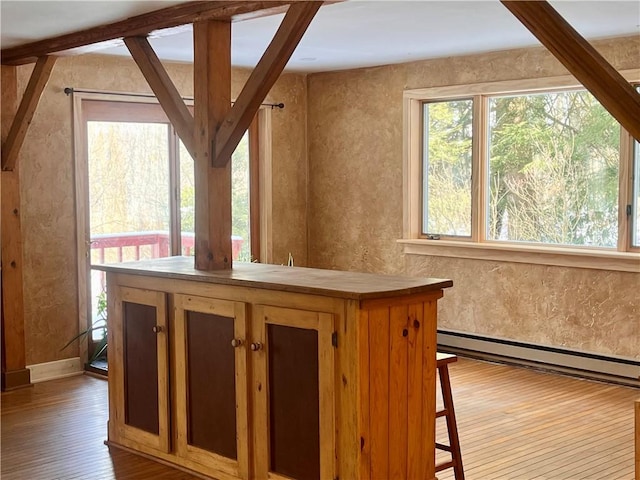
{"points": [[592, 365]]}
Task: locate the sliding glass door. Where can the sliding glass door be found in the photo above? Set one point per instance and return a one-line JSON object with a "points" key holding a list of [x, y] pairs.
{"points": [[140, 195]]}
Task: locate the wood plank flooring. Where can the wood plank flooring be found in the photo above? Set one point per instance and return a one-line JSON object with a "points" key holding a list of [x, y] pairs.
{"points": [[56, 431], [521, 424], [514, 424]]}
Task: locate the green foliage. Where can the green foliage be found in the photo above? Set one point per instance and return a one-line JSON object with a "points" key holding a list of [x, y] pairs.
{"points": [[553, 169], [240, 197], [448, 163], [98, 325], [128, 176]]}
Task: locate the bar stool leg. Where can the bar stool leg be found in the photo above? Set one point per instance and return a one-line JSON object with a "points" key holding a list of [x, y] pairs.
{"points": [[452, 427]]}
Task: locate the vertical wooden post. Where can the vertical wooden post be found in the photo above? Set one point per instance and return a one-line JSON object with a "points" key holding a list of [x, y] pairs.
{"points": [[212, 101], [14, 373]]}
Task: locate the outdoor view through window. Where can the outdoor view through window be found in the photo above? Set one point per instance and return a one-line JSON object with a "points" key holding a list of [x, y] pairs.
{"points": [[551, 169], [141, 197]]}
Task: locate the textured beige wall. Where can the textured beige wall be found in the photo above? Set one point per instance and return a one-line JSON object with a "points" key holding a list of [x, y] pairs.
{"points": [[355, 209], [48, 195]]}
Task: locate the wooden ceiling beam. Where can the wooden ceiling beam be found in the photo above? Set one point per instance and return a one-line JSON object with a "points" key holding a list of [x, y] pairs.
{"points": [[143, 24], [263, 77], [582, 60], [39, 78], [164, 89]]}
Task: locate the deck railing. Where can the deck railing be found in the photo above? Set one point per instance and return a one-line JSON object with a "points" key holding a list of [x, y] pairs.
{"points": [[125, 246]]}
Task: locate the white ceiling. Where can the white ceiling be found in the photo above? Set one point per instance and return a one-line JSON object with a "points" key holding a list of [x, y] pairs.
{"points": [[357, 33]]}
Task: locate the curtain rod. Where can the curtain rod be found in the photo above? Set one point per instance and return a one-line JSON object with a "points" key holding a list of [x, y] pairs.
{"points": [[69, 90]]}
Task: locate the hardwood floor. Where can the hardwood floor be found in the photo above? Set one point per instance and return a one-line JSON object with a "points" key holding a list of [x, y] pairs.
{"points": [[514, 424], [56, 430], [522, 424]]}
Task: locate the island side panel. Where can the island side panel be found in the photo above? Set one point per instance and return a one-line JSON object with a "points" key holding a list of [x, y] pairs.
{"points": [[416, 460], [430, 347], [363, 400], [398, 390], [388, 386], [349, 397]]}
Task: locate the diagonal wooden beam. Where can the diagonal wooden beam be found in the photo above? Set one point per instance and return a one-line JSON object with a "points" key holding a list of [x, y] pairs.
{"points": [[188, 12], [262, 78], [164, 89], [39, 78], [582, 60]]}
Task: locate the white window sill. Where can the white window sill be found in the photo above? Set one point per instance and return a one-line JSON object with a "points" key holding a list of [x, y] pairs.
{"points": [[599, 259]]}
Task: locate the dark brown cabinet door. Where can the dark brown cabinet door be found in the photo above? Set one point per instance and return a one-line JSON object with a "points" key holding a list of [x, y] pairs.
{"points": [[210, 352], [140, 367], [139, 340], [294, 414]]}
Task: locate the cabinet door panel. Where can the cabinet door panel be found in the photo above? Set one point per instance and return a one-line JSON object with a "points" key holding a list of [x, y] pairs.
{"points": [[211, 383], [141, 367], [294, 421], [294, 403]]}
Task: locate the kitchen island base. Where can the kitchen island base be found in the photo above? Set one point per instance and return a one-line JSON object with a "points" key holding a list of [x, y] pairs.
{"points": [[271, 372]]}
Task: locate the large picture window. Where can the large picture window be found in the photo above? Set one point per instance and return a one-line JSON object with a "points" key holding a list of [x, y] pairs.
{"points": [[519, 167]]}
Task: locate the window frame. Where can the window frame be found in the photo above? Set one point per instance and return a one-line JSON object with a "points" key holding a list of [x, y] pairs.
{"points": [[623, 258]]}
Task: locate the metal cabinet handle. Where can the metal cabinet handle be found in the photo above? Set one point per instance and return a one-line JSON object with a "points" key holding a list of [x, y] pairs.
{"points": [[236, 342], [255, 346], [157, 328]]}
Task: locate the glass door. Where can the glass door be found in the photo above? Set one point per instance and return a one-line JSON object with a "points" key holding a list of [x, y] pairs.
{"points": [[243, 203], [129, 203], [140, 196]]}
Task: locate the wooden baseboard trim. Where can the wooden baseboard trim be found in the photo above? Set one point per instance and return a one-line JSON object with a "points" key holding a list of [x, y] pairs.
{"points": [[15, 379], [69, 367]]}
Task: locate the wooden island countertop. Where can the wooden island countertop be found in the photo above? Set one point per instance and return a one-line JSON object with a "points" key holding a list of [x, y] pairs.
{"points": [[333, 283]]}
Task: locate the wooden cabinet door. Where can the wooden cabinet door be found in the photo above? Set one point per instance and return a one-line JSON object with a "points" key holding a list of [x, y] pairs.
{"points": [[211, 385], [138, 368], [293, 390]]}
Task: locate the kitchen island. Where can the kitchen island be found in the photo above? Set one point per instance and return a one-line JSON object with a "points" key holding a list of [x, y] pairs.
{"points": [[276, 372]]}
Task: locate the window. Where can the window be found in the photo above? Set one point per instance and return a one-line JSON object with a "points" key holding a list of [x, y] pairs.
{"points": [[634, 209], [552, 170], [636, 196], [447, 165], [511, 169]]}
